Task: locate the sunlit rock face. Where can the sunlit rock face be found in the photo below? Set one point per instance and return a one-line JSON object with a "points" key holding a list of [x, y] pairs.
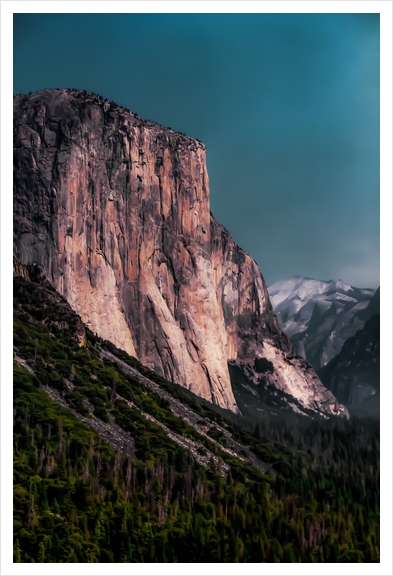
{"points": [[116, 212]]}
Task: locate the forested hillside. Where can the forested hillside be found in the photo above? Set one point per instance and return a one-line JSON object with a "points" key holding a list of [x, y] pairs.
{"points": [[108, 470]]}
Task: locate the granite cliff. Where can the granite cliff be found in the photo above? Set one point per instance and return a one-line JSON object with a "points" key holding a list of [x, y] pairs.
{"points": [[115, 211]]}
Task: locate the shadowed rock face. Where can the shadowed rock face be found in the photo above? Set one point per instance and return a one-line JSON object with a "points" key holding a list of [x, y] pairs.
{"points": [[354, 374], [116, 212]]}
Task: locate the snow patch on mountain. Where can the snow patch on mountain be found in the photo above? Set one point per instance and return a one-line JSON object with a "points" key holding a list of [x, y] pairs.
{"points": [[340, 285], [346, 298]]}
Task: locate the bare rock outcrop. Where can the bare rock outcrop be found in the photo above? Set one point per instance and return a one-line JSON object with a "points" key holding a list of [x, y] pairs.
{"points": [[116, 212]]}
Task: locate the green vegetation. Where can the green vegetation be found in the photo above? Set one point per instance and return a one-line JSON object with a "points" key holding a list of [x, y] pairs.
{"points": [[78, 500]]}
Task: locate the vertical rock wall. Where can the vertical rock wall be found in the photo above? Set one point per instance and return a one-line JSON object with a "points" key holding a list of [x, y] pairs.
{"points": [[116, 211]]}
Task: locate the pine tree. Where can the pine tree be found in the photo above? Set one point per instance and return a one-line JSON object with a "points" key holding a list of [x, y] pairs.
{"points": [[41, 552], [17, 552]]}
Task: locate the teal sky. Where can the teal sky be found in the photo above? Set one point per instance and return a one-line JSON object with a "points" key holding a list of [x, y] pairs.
{"points": [[287, 105]]}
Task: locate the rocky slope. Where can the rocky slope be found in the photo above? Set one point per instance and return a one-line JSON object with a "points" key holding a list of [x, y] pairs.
{"points": [[40, 313], [320, 316], [115, 211]]}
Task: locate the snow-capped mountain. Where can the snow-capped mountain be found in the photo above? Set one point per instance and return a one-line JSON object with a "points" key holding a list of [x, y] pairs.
{"points": [[319, 316]]}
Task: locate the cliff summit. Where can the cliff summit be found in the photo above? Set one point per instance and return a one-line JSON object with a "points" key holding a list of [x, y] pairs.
{"points": [[115, 210]]}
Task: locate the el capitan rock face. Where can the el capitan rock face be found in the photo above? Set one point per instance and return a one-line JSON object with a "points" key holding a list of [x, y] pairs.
{"points": [[116, 212]]}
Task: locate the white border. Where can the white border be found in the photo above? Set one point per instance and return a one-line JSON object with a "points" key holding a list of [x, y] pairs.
{"points": [[219, 6]]}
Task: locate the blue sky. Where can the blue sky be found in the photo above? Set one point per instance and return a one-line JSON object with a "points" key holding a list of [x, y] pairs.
{"points": [[287, 105]]}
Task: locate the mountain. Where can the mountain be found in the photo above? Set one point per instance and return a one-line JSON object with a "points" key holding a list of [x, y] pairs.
{"points": [[113, 463], [354, 374], [320, 316], [115, 211]]}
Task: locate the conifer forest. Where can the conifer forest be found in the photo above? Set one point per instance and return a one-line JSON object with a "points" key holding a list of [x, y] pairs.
{"points": [[104, 471]]}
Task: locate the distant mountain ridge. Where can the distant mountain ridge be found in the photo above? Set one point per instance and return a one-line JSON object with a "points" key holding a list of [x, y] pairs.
{"points": [[354, 375], [319, 316]]}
